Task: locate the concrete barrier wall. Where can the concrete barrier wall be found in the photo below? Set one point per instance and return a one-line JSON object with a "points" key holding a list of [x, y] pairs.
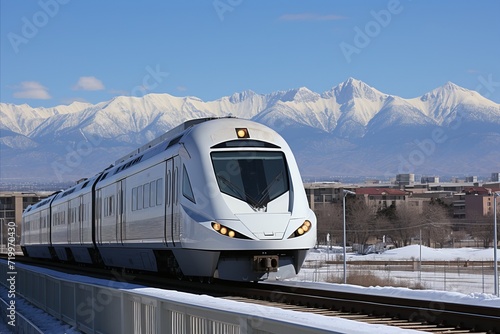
{"points": [[94, 308]]}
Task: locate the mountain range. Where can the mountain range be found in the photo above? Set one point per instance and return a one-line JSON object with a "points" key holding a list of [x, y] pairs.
{"points": [[351, 130]]}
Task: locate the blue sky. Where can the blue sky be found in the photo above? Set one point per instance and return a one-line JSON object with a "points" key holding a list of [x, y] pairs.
{"points": [[58, 51]]}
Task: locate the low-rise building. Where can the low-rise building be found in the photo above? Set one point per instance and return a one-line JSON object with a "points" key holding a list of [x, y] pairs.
{"points": [[382, 198], [479, 201], [12, 205]]}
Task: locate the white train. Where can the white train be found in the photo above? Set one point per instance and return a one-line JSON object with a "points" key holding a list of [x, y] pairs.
{"points": [[216, 198]]}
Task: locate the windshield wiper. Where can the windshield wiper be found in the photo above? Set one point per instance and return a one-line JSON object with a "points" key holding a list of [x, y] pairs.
{"points": [[265, 192], [240, 192]]}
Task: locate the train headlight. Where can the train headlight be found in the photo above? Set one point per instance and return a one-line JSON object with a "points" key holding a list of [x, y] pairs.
{"points": [[303, 229], [306, 226], [226, 231], [242, 133]]}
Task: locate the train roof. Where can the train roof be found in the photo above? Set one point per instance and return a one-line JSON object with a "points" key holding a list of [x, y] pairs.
{"points": [[167, 136]]}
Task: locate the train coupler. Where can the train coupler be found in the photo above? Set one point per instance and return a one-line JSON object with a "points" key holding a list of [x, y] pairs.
{"points": [[266, 263]]}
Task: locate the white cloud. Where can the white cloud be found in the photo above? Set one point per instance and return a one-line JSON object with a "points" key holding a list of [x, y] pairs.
{"points": [[31, 90], [88, 83]]}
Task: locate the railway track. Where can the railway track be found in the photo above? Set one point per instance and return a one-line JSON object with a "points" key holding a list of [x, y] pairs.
{"points": [[427, 316]]}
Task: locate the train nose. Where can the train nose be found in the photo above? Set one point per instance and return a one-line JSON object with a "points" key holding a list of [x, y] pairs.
{"points": [[266, 226]]}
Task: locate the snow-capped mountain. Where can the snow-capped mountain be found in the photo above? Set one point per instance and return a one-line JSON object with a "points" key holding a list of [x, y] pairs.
{"points": [[352, 129]]}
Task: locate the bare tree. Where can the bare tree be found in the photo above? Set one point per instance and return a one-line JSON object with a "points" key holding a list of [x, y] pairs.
{"points": [[329, 216], [436, 223], [404, 225], [361, 220], [481, 228]]}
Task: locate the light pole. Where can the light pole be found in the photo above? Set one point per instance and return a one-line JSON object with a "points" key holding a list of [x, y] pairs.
{"points": [[495, 243], [346, 192]]}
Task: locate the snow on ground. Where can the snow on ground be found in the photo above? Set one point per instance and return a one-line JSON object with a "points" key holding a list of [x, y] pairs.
{"points": [[409, 253], [321, 255], [465, 270]]}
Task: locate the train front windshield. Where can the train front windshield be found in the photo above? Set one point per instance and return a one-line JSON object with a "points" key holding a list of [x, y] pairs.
{"points": [[252, 176]]}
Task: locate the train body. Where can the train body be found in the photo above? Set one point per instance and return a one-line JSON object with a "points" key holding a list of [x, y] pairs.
{"points": [[216, 198]]}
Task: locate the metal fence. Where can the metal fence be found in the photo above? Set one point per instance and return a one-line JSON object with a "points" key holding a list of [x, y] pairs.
{"points": [[457, 276], [118, 308]]}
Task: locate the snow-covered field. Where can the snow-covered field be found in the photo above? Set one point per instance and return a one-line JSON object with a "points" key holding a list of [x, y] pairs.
{"points": [[458, 269], [320, 256]]}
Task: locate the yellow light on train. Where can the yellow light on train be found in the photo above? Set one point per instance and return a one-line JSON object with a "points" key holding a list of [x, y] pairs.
{"points": [[223, 230], [242, 133], [303, 229]]}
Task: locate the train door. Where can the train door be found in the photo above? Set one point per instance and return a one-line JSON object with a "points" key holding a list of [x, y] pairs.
{"points": [[67, 209], [176, 216], [98, 216], [80, 219], [168, 202], [172, 216], [74, 220], [44, 227], [38, 222], [120, 223]]}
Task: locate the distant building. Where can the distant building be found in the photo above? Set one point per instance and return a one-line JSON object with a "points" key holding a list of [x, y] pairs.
{"points": [[459, 205], [372, 182], [12, 205], [405, 180], [429, 179], [495, 177], [479, 202], [381, 198], [323, 192], [471, 179]]}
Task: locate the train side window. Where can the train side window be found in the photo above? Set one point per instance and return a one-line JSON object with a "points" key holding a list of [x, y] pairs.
{"points": [[159, 191], [168, 195], [152, 193], [140, 197], [175, 180], [146, 196], [134, 199], [106, 209], [187, 191], [111, 206]]}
